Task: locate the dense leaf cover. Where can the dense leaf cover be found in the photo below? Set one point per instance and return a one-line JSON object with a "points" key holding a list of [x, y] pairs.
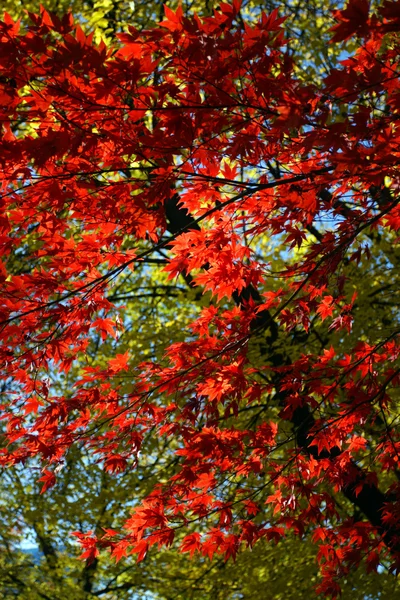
{"points": [[197, 146]]}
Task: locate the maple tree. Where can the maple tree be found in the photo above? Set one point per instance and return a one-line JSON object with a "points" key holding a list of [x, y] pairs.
{"points": [[195, 148]]}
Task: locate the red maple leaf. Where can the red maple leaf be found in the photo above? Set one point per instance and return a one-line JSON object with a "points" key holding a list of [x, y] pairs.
{"points": [[352, 20]]}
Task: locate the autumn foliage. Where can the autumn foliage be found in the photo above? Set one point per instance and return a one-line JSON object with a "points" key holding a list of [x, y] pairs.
{"points": [[200, 141]]}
